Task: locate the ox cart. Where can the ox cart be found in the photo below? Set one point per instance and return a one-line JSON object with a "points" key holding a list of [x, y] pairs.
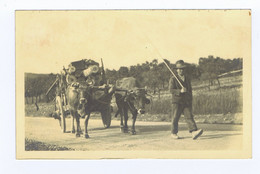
{"points": [[84, 75]]}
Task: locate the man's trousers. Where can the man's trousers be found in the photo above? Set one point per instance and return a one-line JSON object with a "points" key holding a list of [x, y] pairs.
{"points": [[177, 110]]}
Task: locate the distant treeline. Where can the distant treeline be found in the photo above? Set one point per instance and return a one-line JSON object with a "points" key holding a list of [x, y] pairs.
{"points": [[152, 74], [36, 85], [155, 75]]}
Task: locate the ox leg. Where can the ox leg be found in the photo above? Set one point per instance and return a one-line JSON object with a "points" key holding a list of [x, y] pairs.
{"points": [[133, 132], [121, 120], [86, 125], [72, 124], [125, 120], [77, 124]]}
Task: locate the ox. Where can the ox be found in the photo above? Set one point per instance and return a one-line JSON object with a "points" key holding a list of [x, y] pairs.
{"points": [[129, 97], [84, 99], [75, 99]]}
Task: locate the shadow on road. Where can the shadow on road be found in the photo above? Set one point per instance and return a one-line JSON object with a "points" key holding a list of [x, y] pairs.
{"points": [[204, 137], [102, 128], [154, 129], [183, 127]]}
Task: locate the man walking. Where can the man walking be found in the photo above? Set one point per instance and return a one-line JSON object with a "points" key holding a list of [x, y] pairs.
{"points": [[182, 102]]}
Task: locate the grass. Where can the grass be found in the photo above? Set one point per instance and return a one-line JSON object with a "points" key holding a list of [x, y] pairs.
{"points": [[221, 101], [45, 109], [32, 145]]}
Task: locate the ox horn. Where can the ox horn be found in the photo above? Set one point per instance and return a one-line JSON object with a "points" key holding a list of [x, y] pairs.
{"points": [[71, 79]]}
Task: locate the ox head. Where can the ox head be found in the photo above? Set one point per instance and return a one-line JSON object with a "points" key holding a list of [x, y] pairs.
{"points": [[82, 96], [137, 99], [77, 98]]}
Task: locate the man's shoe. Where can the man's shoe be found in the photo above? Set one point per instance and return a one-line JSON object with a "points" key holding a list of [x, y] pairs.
{"points": [[196, 134], [175, 136]]}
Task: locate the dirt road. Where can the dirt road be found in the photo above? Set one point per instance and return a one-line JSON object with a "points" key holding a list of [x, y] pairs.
{"points": [[150, 136]]}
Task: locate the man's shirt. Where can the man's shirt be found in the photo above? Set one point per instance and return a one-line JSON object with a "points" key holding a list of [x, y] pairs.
{"points": [[175, 90]]}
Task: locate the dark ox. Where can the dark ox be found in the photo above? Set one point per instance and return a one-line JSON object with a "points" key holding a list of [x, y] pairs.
{"points": [[134, 101]]}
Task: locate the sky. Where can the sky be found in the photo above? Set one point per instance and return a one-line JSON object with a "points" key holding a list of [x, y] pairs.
{"points": [[48, 40]]}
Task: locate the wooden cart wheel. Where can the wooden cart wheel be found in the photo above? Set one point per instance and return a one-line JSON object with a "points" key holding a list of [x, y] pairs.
{"points": [[106, 116], [62, 114]]}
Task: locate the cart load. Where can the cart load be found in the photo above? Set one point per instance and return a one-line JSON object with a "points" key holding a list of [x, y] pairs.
{"points": [[85, 71]]}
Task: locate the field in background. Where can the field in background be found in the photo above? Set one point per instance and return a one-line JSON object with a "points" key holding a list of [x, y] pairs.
{"points": [[221, 101], [224, 99]]}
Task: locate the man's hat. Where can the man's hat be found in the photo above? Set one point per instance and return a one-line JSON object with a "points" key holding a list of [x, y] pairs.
{"points": [[180, 64]]}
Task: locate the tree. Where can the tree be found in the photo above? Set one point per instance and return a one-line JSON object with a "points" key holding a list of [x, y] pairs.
{"points": [[37, 85], [210, 68], [163, 75], [193, 71], [237, 64], [111, 76], [151, 79]]}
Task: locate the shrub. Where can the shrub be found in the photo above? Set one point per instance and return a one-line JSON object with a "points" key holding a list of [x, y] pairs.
{"points": [[32, 145]]}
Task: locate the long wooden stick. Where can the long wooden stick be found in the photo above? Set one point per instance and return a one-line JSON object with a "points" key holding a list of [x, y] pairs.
{"points": [[51, 87], [155, 48], [172, 73], [103, 72]]}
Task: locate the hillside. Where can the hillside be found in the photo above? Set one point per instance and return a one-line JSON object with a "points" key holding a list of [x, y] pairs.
{"points": [[35, 76]]}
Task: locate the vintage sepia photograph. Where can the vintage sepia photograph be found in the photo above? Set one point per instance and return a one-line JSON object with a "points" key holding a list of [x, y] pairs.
{"points": [[133, 84]]}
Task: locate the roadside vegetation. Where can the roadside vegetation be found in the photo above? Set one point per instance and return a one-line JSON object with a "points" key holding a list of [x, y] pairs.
{"points": [[32, 145], [221, 101]]}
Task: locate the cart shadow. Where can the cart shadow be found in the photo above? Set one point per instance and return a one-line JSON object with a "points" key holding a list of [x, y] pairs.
{"points": [[94, 129], [102, 128]]}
